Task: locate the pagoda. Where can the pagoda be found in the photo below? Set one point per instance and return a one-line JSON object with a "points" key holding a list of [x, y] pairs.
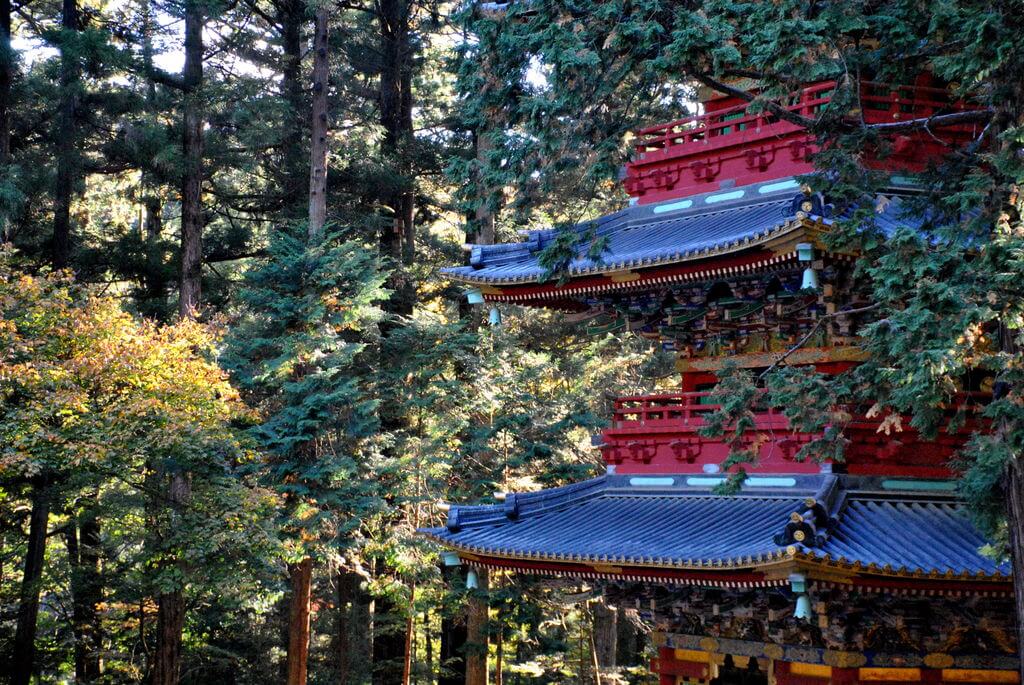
{"points": [[867, 570]]}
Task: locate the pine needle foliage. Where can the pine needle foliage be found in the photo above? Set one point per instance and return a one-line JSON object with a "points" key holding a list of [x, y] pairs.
{"points": [[298, 352]]}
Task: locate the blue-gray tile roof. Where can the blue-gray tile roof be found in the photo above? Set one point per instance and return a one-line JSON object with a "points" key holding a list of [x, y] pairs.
{"points": [[610, 521], [674, 231]]}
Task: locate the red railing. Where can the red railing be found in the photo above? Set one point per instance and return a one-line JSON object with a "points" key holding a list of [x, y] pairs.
{"points": [[660, 434], [880, 102], [670, 409], [689, 408]]}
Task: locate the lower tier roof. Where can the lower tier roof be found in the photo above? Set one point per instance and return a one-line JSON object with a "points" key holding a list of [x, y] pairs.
{"points": [[859, 525]]}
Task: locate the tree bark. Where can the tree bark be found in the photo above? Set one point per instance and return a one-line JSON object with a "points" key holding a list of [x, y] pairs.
{"points": [[190, 289], [6, 78], [318, 145], [452, 664], [628, 638], [1015, 527], [291, 14], [388, 642], [23, 648], [300, 577], [605, 635], [83, 543], [66, 138], [410, 636], [170, 621], [170, 617], [395, 101], [154, 280], [354, 628], [476, 627]]}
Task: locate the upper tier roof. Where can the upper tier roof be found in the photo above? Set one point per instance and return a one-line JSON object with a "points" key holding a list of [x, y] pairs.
{"points": [[726, 221], [861, 525]]}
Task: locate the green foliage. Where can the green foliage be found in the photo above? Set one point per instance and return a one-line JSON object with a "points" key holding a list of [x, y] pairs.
{"points": [[298, 351]]}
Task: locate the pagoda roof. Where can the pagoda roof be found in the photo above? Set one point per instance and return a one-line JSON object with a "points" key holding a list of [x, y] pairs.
{"points": [[726, 221], [856, 525]]}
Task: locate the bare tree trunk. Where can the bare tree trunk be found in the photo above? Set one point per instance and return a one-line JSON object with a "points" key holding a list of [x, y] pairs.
{"points": [[170, 621], [452, 659], [318, 146], [410, 636], [170, 616], [23, 650], [395, 101], [428, 647], [190, 289], [301, 580], [476, 627], [605, 632], [1015, 528], [626, 652], [154, 282], [67, 143], [499, 653], [354, 627], [291, 16], [388, 642], [6, 77], [83, 543]]}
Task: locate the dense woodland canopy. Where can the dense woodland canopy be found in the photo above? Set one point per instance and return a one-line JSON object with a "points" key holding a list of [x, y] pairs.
{"points": [[228, 401]]}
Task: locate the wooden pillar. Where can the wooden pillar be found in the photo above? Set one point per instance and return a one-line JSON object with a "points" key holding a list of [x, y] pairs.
{"points": [[476, 628]]}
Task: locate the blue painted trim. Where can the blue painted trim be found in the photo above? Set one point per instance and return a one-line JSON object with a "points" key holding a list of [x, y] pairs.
{"points": [[768, 482], [724, 197], [782, 185], [923, 485], [704, 482], [641, 482], [683, 204]]}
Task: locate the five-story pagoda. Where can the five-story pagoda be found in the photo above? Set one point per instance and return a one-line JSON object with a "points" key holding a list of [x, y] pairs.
{"points": [[864, 570]]}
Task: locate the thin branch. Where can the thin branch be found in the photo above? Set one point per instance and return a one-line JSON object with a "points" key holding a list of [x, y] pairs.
{"points": [[773, 107], [810, 333]]}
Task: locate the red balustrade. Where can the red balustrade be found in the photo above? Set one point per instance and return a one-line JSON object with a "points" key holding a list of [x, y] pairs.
{"points": [[661, 434], [691, 155]]}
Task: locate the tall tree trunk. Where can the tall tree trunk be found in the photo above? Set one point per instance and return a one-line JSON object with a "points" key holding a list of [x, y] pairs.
{"points": [[170, 621], [428, 647], [452, 658], [6, 78], [300, 577], [605, 630], [291, 15], [154, 281], [410, 636], [629, 639], [154, 284], [66, 137], [354, 628], [476, 627], [1015, 528], [83, 543], [395, 102], [318, 145], [170, 616], [23, 650], [190, 290], [388, 642]]}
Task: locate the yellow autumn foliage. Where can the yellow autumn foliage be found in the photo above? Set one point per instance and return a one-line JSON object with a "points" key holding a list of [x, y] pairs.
{"points": [[84, 384]]}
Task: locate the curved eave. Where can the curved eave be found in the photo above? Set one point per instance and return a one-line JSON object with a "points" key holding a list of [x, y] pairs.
{"points": [[773, 237], [764, 570]]}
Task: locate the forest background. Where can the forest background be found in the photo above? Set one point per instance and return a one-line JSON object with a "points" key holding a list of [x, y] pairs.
{"points": [[220, 428], [234, 383]]}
